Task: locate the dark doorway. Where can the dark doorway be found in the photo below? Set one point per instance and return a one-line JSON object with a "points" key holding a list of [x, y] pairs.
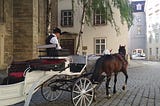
{"points": [[68, 44]]}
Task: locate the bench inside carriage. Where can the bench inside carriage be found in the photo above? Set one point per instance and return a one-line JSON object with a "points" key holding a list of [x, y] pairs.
{"points": [[77, 64], [51, 51]]}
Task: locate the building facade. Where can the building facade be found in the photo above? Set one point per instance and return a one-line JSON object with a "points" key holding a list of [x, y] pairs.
{"points": [[152, 10], [96, 37], [22, 28], [137, 32]]}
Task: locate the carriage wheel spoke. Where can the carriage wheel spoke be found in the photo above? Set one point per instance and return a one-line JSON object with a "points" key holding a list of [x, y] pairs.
{"points": [[81, 104], [85, 102], [86, 98], [89, 90], [78, 87], [88, 95], [81, 85], [78, 100], [87, 86], [56, 93], [52, 96], [49, 94], [76, 92], [84, 84], [76, 97], [46, 92]]}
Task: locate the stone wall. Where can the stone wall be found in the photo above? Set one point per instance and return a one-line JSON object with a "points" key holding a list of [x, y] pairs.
{"points": [[24, 28], [54, 13], [6, 35], [42, 22]]}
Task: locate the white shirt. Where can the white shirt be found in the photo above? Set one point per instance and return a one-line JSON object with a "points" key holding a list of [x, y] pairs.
{"points": [[55, 41]]}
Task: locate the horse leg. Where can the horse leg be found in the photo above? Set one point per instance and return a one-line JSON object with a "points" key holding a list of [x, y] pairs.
{"points": [[115, 81], [126, 78], [107, 87]]}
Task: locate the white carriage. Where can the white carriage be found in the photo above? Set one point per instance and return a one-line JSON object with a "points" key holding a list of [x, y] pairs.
{"points": [[52, 83]]}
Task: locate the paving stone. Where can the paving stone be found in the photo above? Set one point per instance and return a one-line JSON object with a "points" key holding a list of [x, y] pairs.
{"points": [[143, 89]]}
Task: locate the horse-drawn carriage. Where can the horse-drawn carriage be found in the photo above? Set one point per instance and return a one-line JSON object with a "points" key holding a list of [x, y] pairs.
{"points": [[60, 72], [51, 74]]}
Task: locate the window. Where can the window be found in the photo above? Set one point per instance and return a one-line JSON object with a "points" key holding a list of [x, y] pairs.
{"points": [[139, 30], [150, 51], [1, 11], [99, 18], [139, 6], [157, 38], [157, 52], [100, 45], [150, 38], [67, 18]]}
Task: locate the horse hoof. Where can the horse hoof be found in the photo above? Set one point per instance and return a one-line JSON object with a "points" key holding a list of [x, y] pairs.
{"points": [[109, 87], [108, 96], [114, 92], [124, 88]]}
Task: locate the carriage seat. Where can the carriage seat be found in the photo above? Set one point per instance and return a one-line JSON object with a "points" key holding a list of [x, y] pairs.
{"points": [[51, 51], [76, 67]]}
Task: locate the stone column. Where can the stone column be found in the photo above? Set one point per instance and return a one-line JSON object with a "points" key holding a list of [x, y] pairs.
{"points": [[6, 35], [1, 51], [25, 32], [35, 28]]}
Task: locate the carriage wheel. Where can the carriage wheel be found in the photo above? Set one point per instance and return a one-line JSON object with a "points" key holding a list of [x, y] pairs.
{"points": [[50, 89], [82, 92]]}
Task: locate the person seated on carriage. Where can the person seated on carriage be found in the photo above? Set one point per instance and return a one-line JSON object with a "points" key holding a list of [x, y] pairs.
{"points": [[53, 39]]}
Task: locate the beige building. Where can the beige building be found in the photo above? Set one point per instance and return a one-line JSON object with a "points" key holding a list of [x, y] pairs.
{"points": [[152, 10], [22, 28], [97, 37]]}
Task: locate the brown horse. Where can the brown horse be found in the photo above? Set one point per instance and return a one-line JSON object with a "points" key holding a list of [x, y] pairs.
{"points": [[110, 64]]}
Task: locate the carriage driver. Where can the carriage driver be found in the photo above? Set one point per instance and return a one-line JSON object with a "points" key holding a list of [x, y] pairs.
{"points": [[53, 38]]}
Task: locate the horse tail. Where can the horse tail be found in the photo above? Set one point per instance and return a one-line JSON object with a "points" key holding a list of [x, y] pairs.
{"points": [[96, 71]]}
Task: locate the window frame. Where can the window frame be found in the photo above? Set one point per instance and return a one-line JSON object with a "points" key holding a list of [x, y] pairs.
{"points": [[139, 6], [100, 44], [139, 30], [150, 51], [101, 18], [150, 38], [157, 52], [67, 18]]}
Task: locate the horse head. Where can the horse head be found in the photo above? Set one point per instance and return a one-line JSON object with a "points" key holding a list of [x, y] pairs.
{"points": [[122, 50]]}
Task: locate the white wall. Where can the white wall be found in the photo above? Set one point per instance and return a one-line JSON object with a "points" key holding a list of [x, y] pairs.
{"points": [[90, 32], [152, 17]]}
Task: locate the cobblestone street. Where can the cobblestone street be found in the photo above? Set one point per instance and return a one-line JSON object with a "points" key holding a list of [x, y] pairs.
{"points": [[143, 89]]}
